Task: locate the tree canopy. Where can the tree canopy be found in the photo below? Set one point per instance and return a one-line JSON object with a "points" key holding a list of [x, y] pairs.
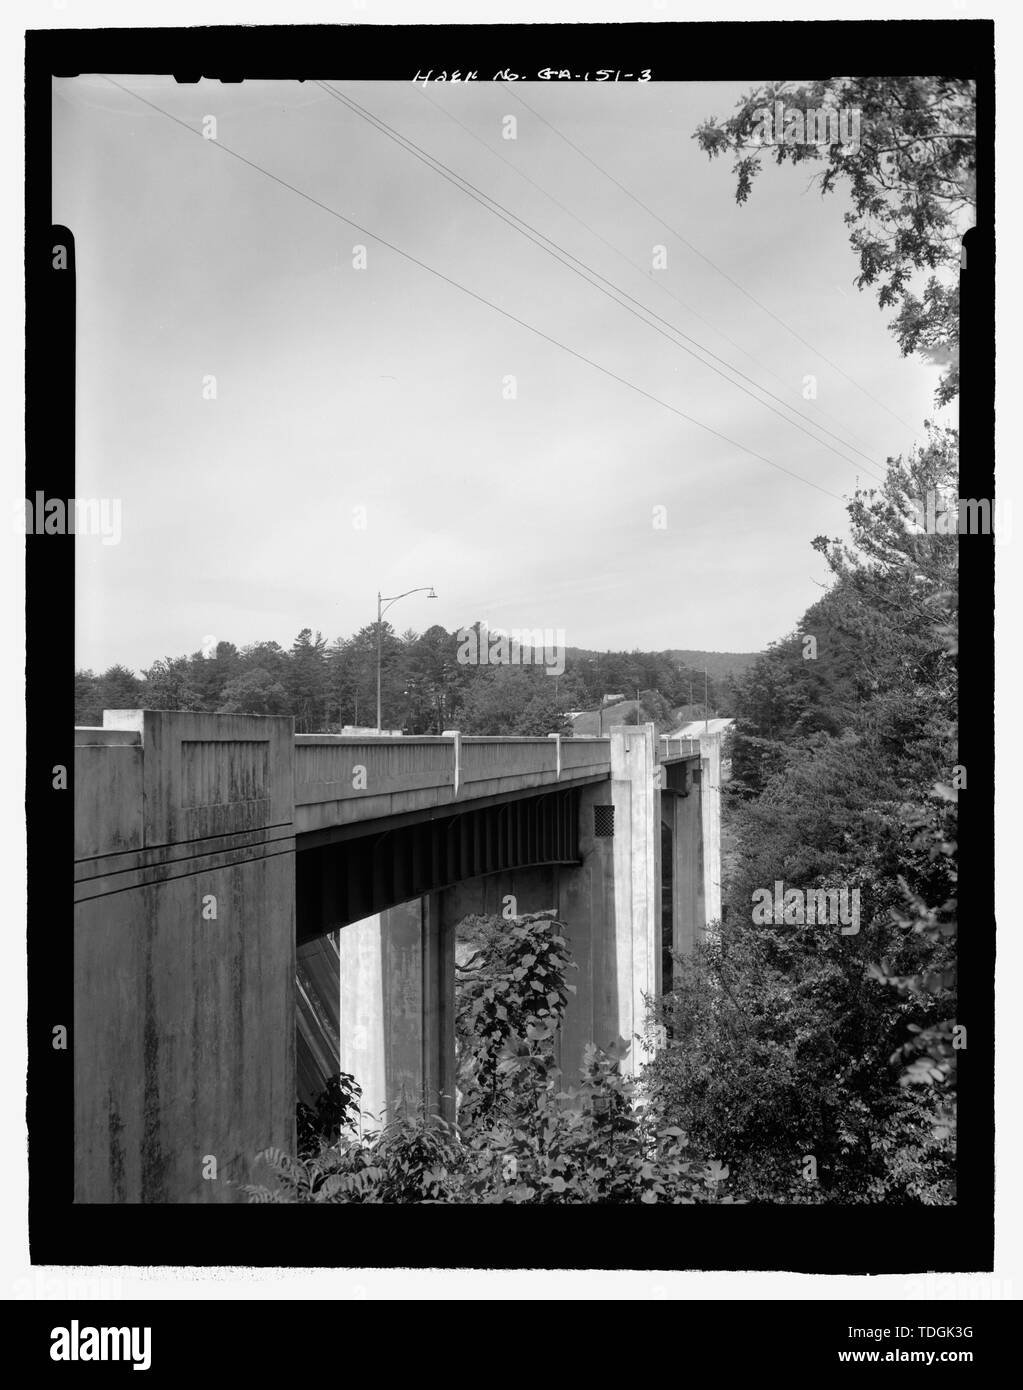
{"points": [[910, 174]]}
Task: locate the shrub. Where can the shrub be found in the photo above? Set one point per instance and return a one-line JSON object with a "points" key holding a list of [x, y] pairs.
{"points": [[336, 1109], [522, 1137]]}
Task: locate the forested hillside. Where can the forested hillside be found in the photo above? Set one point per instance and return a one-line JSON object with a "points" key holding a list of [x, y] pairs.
{"points": [[720, 666], [819, 1062], [424, 687]]}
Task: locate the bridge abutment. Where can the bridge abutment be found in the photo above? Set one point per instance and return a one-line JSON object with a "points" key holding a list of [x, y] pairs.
{"points": [[184, 954]]}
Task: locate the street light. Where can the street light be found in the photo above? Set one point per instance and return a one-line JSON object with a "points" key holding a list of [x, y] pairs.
{"points": [[382, 606]]}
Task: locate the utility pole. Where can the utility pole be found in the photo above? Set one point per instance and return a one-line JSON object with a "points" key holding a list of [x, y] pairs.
{"points": [[706, 707], [382, 606]]}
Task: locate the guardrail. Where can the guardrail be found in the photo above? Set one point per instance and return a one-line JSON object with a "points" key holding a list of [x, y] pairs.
{"points": [[670, 748], [339, 767]]}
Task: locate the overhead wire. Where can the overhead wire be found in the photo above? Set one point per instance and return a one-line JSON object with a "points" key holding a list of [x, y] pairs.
{"points": [[559, 253], [658, 281], [713, 264], [472, 294]]}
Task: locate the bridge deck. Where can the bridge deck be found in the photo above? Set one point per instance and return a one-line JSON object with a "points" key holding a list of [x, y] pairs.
{"points": [[210, 774], [340, 779]]}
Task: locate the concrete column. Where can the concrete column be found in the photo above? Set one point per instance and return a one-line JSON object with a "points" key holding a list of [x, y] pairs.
{"points": [[710, 805], [518, 891], [363, 1049], [637, 882], [688, 902], [381, 1031], [586, 906], [397, 1024], [439, 1007]]}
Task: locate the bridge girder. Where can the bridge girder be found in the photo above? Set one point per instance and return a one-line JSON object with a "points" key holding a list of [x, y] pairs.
{"points": [[344, 882]]}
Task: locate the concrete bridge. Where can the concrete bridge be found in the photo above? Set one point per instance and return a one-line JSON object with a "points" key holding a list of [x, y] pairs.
{"points": [[254, 908]]}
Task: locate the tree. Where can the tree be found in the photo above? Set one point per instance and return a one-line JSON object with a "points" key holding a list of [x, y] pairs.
{"points": [[255, 692], [88, 711], [911, 178], [796, 1039], [118, 688], [544, 714], [169, 685], [433, 680], [363, 653], [500, 700], [306, 682], [340, 686], [267, 656]]}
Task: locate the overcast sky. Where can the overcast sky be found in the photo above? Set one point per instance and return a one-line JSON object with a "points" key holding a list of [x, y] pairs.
{"points": [[384, 388]]}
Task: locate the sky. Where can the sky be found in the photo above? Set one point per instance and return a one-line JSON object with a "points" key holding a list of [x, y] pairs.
{"points": [[377, 428]]}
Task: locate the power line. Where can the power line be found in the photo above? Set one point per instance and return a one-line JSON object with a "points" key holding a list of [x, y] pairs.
{"points": [[659, 282], [714, 266], [532, 233], [505, 313]]}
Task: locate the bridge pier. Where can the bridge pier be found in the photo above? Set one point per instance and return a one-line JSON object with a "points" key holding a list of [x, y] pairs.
{"points": [[637, 881], [586, 906], [397, 990], [682, 811], [611, 905], [710, 810], [382, 992], [439, 927], [184, 954]]}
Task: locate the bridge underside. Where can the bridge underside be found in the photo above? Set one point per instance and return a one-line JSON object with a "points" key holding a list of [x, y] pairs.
{"points": [[360, 875]]}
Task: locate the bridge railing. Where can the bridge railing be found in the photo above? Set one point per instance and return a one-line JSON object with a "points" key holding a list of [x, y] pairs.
{"points": [[334, 767], [490, 759], [340, 767], [670, 748], [585, 753]]}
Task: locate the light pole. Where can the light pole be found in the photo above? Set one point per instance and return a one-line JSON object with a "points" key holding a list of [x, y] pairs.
{"points": [[382, 606]]}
